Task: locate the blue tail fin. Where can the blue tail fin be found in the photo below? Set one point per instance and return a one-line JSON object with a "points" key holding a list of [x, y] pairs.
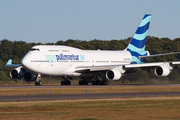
{"points": [[137, 44]]}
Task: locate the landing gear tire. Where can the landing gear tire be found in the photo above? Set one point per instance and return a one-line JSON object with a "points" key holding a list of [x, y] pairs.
{"points": [[80, 82], [38, 83], [62, 82], [67, 82]]}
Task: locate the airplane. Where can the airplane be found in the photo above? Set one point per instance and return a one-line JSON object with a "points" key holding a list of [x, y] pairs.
{"points": [[68, 62]]}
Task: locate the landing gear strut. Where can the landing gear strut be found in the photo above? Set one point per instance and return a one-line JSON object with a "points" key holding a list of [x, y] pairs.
{"points": [[38, 82]]}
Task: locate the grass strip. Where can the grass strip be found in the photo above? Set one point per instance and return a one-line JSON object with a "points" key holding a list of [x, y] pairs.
{"points": [[157, 108]]}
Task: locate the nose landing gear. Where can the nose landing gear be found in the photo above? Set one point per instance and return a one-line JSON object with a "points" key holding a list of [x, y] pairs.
{"points": [[38, 82]]}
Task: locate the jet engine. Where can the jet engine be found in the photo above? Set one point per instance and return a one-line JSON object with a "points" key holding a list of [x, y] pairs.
{"points": [[162, 71], [29, 77], [113, 75], [17, 73]]}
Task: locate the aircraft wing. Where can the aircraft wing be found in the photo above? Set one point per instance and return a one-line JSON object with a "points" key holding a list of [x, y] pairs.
{"points": [[9, 64], [82, 69], [157, 55]]}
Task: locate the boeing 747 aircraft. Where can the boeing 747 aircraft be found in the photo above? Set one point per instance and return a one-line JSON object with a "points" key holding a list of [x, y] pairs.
{"points": [[68, 62]]}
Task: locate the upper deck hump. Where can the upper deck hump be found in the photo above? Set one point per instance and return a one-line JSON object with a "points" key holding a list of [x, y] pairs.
{"points": [[55, 47]]}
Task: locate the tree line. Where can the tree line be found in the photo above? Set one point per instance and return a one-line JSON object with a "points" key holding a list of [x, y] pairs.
{"points": [[15, 50]]}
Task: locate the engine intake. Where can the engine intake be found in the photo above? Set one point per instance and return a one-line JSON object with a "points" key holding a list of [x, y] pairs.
{"points": [[162, 71], [17, 73], [113, 75], [29, 77]]}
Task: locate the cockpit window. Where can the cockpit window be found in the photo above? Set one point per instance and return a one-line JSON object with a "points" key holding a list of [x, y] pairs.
{"points": [[34, 49]]}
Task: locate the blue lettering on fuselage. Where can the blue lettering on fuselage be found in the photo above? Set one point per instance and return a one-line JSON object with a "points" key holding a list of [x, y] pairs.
{"points": [[56, 58], [67, 57]]}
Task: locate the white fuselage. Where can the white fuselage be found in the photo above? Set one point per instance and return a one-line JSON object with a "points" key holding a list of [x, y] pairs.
{"points": [[58, 60]]}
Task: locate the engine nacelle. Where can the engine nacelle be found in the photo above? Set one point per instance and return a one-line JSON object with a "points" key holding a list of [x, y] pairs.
{"points": [[162, 71], [17, 73], [29, 77], [113, 75]]}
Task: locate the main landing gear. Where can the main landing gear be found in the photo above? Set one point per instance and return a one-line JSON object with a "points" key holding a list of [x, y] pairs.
{"points": [[65, 81]]}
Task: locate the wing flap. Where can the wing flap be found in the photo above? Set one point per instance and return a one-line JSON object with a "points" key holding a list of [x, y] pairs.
{"points": [[144, 65], [94, 68]]}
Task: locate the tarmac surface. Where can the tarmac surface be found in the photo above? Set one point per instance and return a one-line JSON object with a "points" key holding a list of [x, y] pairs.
{"points": [[19, 98], [83, 86]]}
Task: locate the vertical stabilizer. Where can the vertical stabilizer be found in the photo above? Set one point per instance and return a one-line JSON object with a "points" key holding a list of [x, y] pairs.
{"points": [[138, 42]]}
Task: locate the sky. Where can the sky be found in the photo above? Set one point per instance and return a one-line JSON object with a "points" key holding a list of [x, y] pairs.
{"points": [[48, 21]]}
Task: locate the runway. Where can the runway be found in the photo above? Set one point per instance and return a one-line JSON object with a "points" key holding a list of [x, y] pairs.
{"points": [[83, 96], [19, 98], [83, 86]]}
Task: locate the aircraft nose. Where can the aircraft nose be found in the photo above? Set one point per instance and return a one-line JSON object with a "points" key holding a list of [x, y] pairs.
{"points": [[25, 62]]}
